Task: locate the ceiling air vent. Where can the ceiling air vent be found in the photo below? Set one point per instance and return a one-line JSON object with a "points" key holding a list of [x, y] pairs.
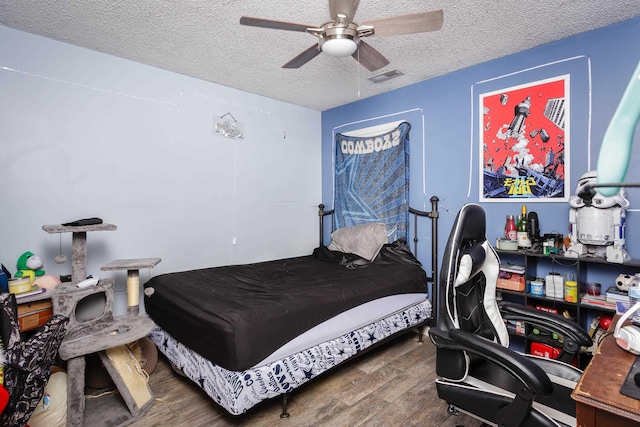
{"points": [[379, 78]]}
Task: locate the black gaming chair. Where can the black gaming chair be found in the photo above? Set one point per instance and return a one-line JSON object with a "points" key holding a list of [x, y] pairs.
{"points": [[478, 374]]}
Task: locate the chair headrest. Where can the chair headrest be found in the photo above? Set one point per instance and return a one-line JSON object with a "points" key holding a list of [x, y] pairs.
{"points": [[464, 253], [471, 224], [471, 262]]}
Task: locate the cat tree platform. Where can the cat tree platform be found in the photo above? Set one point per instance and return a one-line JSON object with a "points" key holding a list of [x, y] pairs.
{"points": [[78, 245], [133, 267]]}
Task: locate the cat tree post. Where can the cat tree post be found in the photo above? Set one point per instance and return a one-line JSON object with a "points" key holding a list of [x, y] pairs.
{"points": [[79, 256], [78, 245], [133, 267]]}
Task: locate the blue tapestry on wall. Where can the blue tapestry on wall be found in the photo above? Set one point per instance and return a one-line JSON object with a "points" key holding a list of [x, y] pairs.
{"points": [[372, 180]]}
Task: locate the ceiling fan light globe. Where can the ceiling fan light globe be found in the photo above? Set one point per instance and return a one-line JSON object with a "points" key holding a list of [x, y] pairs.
{"points": [[339, 47]]}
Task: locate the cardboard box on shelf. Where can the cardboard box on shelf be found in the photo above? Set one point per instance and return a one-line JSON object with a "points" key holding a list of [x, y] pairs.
{"points": [[510, 281], [32, 315], [516, 326], [544, 350], [554, 286], [547, 309]]}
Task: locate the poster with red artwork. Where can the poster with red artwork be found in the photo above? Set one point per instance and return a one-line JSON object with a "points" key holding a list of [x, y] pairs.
{"points": [[524, 138]]}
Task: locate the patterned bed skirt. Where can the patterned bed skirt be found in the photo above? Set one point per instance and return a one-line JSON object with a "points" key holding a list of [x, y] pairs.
{"points": [[238, 391]]}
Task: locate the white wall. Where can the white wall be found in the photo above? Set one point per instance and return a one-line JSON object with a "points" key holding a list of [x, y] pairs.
{"points": [[84, 134]]}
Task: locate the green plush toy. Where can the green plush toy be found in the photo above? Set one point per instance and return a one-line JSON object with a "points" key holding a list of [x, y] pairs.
{"points": [[29, 265]]}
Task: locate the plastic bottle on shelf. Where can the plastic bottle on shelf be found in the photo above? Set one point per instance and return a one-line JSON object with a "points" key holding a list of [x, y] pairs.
{"points": [[523, 230], [571, 289], [510, 231]]}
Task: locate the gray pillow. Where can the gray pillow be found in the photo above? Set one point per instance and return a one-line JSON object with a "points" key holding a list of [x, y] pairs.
{"points": [[364, 240]]}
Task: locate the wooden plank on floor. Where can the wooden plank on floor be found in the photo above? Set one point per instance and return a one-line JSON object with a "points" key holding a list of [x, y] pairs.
{"points": [[393, 385]]}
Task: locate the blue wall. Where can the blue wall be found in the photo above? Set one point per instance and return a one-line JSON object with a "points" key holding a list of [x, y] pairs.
{"points": [[445, 147]]}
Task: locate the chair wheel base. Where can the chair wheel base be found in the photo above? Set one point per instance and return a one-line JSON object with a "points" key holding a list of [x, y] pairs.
{"points": [[451, 410]]}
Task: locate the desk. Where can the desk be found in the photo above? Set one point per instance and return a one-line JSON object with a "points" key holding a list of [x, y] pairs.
{"points": [[597, 395]]}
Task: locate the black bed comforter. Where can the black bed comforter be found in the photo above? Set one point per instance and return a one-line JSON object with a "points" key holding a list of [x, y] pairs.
{"points": [[236, 316]]}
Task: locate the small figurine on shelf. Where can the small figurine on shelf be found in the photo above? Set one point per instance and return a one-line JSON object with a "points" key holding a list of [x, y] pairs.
{"points": [[29, 265]]}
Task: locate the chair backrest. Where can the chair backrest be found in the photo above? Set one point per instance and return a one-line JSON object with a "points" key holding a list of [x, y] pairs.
{"points": [[467, 291]]}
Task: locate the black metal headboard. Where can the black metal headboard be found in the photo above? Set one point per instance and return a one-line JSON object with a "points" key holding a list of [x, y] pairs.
{"points": [[433, 214]]}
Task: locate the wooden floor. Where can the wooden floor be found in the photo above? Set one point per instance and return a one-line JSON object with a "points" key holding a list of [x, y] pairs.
{"points": [[390, 386]]}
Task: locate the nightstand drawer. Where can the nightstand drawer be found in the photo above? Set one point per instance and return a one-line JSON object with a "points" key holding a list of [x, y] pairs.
{"points": [[32, 315]]}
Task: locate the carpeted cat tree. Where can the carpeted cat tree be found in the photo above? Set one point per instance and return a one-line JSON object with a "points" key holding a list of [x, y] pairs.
{"points": [[105, 335]]}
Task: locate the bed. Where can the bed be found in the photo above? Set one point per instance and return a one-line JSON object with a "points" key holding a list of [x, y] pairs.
{"points": [[247, 333]]}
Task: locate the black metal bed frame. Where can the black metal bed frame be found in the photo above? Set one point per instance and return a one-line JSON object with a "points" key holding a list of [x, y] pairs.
{"points": [[434, 215]]}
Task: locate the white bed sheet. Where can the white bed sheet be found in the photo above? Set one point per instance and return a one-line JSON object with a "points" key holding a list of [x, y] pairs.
{"points": [[348, 321]]}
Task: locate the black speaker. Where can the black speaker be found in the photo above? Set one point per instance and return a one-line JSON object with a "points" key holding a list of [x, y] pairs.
{"points": [[534, 226]]}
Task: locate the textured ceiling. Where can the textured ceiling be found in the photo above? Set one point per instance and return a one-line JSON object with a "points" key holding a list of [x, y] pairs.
{"points": [[204, 39]]}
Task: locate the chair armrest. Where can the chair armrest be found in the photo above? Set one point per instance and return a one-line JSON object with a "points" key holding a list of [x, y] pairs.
{"points": [[546, 320], [527, 371]]}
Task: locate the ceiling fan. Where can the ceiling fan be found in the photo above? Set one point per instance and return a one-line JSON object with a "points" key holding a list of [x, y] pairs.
{"points": [[342, 37]]}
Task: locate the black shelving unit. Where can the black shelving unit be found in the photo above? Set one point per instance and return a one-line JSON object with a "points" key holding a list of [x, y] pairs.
{"points": [[581, 269]]}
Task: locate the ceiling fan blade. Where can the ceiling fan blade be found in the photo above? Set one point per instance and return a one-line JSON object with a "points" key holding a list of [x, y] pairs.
{"points": [[303, 57], [345, 7], [276, 25], [406, 24], [369, 57]]}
